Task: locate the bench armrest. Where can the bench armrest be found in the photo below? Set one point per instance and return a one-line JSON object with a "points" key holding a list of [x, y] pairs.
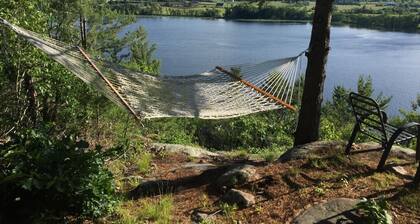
{"points": [[408, 126], [384, 116]]}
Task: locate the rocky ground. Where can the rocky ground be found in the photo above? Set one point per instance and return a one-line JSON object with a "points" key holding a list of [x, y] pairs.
{"points": [[313, 183]]}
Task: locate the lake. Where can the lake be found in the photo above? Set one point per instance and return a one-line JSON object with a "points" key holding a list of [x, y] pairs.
{"points": [[193, 45]]}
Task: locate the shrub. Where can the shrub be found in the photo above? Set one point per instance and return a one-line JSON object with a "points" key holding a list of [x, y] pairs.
{"points": [[41, 175], [375, 211]]}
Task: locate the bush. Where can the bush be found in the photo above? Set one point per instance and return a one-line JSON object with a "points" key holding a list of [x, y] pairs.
{"points": [[54, 177], [375, 211]]}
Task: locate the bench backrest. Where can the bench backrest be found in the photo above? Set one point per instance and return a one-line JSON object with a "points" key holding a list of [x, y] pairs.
{"points": [[369, 116]]}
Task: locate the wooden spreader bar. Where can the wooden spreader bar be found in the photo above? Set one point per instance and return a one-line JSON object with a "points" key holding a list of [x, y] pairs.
{"points": [[123, 101], [256, 88]]}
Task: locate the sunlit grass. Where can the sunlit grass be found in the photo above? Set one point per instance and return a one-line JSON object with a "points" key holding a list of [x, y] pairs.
{"points": [[157, 211]]}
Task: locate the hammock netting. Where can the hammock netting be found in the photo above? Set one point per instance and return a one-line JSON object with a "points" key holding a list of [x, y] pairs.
{"points": [[233, 91]]}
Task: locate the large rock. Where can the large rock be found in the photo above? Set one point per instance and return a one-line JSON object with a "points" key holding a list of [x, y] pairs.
{"points": [[240, 198], [237, 176], [310, 150], [397, 151], [338, 210], [191, 151]]}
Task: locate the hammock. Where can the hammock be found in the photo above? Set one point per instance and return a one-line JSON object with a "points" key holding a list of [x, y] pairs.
{"points": [[224, 92]]}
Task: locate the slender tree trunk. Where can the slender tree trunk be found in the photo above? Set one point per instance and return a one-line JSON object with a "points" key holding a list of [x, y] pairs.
{"points": [[82, 23], [31, 97], [310, 113]]}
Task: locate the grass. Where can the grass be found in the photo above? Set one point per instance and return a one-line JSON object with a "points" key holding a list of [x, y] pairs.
{"points": [[143, 162], [205, 201], [336, 160], [267, 154], [150, 211], [124, 215], [294, 171], [157, 211], [319, 191], [272, 154], [117, 168], [228, 210], [411, 200], [383, 181], [239, 154]]}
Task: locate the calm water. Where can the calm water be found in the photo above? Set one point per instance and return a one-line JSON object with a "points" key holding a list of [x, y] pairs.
{"points": [[192, 45]]}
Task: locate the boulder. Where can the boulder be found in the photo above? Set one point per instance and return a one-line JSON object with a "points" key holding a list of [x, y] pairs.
{"points": [[310, 150], [240, 198], [238, 175], [195, 152], [338, 210], [397, 151]]}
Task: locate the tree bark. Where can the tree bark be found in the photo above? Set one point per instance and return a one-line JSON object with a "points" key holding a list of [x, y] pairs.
{"points": [[310, 112], [31, 97], [82, 23]]}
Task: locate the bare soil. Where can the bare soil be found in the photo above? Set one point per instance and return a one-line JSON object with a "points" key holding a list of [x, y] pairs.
{"points": [[286, 189]]}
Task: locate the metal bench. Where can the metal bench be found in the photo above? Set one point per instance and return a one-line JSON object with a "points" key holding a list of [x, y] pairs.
{"points": [[373, 122]]}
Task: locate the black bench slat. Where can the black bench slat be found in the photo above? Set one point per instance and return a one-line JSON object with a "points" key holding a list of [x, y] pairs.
{"points": [[364, 99], [371, 121]]}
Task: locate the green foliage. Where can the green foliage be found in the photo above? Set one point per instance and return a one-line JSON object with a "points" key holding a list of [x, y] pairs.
{"points": [[410, 198], [375, 211], [407, 116], [142, 54], [263, 130], [159, 212], [264, 11], [157, 9], [143, 162], [46, 175], [50, 96], [319, 191], [260, 131], [338, 110], [228, 210]]}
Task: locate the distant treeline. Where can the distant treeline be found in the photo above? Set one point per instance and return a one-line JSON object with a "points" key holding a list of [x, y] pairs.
{"points": [[394, 21], [156, 9]]}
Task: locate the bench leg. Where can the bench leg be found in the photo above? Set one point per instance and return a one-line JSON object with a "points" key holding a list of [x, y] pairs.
{"points": [[384, 157], [387, 150], [352, 138], [417, 177]]}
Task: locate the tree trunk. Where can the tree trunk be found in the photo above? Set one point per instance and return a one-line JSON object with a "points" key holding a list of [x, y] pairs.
{"points": [[310, 112], [82, 23], [31, 97]]}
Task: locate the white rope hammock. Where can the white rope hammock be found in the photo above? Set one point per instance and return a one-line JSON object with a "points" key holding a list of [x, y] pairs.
{"points": [[224, 92]]}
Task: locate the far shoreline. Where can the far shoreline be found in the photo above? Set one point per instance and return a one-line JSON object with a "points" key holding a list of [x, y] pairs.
{"points": [[278, 21]]}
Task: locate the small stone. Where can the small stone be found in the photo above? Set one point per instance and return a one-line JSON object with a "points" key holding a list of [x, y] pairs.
{"points": [[237, 176], [240, 198], [199, 217], [400, 170], [355, 146]]}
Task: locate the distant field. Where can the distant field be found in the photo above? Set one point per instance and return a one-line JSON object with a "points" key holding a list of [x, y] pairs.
{"points": [[369, 15], [368, 5]]}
